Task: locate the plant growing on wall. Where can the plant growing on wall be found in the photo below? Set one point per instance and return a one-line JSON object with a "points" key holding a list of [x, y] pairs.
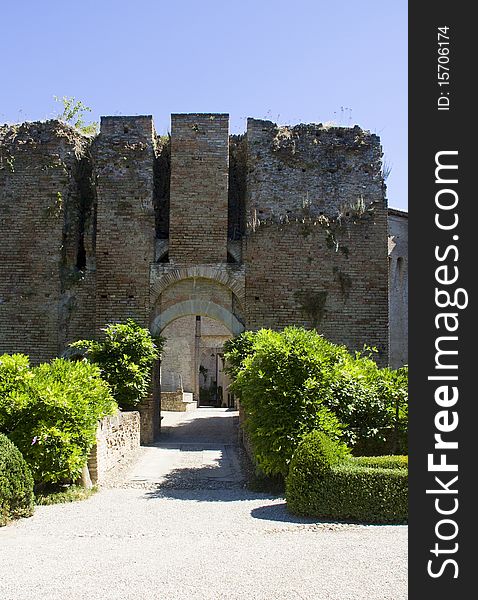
{"points": [[125, 356], [74, 114], [312, 304]]}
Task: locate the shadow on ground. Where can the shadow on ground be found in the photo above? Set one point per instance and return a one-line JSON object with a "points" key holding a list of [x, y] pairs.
{"points": [[279, 513], [232, 494], [202, 428]]}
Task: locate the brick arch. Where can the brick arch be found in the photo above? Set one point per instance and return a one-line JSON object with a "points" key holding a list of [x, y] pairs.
{"points": [[224, 276], [197, 307]]}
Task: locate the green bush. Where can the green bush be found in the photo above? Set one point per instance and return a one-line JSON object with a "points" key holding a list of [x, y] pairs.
{"points": [[52, 415], [16, 483], [15, 376], [372, 490], [280, 382], [313, 458], [125, 356], [355, 398], [237, 349], [292, 382]]}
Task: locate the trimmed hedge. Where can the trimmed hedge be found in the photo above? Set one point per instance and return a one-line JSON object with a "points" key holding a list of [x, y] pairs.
{"points": [[366, 489], [380, 462], [16, 483]]}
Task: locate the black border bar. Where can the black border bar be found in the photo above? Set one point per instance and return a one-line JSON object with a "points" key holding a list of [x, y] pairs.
{"points": [[443, 352]]}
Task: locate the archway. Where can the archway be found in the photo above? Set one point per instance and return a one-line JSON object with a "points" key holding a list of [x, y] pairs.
{"points": [[192, 368], [197, 307]]}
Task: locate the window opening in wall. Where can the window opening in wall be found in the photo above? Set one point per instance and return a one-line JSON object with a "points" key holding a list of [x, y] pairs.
{"points": [[81, 253]]}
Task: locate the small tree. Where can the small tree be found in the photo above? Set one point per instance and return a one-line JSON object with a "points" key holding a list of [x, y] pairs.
{"points": [[125, 357], [74, 114]]}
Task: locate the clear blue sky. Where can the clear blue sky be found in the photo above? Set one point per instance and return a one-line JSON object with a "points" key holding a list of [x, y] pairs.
{"points": [[288, 61]]}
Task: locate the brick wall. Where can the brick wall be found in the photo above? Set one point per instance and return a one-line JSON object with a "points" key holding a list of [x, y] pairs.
{"points": [[40, 206], [199, 183], [398, 281], [84, 228], [125, 235], [316, 244]]}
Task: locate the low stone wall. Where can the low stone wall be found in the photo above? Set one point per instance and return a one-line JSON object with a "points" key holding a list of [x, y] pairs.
{"points": [[177, 401], [117, 439], [172, 400]]}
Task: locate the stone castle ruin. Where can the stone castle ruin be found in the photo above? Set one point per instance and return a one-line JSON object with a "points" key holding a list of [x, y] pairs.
{"points": [[197, 236]]}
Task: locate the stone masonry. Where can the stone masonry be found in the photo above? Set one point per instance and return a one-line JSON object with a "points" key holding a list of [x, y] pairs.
{"points": [[398, 285], [278, 226], [117, 441]]}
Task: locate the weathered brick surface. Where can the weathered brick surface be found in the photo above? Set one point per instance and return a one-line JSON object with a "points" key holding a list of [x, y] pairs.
{"points": [[198, 194], [124, 158], [40, 284], [316, 243], [117, 439], [344, 298], [309, 169], [398, 283]]}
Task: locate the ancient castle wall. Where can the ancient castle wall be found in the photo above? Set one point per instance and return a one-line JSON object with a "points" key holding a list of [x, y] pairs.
{"points": [[199, 188], [124, 156], [316, 249], [279, 226], [42, 276], [125, 235]]}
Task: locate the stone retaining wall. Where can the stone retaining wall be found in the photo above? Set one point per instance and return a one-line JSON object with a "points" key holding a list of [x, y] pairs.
{"points": [[117, 439], [177, 401]]}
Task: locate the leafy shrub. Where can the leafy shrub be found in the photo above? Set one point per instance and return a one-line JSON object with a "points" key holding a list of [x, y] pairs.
{"points": [[16, 483], [237, 349], [365, 398], [354, 400], [295, 381], [281, 382], [373, 490], [15, 375], [54, 422], [125, 357]]}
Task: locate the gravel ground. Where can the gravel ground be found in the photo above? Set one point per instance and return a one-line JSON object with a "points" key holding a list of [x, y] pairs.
{"points": [[180, 538]]}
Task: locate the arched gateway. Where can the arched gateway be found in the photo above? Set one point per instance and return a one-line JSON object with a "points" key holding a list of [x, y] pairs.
{"points": [[192, 367], [197, 307]]}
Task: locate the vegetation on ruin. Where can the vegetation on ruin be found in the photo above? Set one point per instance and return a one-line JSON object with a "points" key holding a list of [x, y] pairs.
{"points": [[51, 413], [324, 482], [74, 112], [294, 381], [125, 356]]}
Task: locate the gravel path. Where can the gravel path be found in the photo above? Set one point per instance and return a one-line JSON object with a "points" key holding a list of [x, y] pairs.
{"points": [[195, 536]]}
